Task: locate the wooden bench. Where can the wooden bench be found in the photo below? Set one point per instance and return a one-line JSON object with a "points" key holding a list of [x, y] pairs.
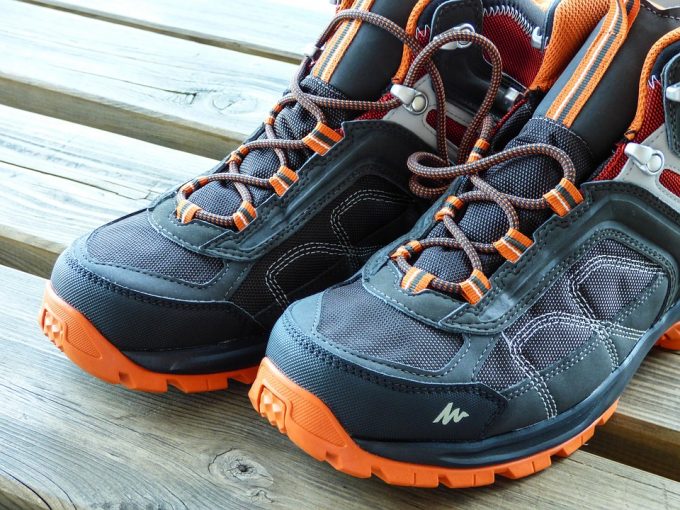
{"points": [[92, 96]]}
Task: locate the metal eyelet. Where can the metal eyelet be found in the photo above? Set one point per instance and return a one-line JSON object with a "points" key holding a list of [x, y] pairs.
{"points": [[456, 45], [412, 99], [650, 161]]}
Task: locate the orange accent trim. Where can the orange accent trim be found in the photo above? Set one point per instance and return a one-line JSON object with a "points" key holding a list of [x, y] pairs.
{"points": [[311, 425], [279, 185], [411, 27], [633, 14], [319, 146], [572, 190], [403, 251], [567, 101], [671, 338], [73, 334], [328, 132], [241, 220], [333, 55], [413, 274], [651, 59], [507, 251], [471, 291], [574, 22], [189, 213], [519, 237]]}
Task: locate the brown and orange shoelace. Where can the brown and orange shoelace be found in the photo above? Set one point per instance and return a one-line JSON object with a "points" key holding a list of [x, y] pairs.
{"points": [[323, 137], [564, 197]]}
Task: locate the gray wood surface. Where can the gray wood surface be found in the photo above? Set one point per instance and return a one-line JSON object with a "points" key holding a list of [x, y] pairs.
{"points": [[278, 29], [169, 91], [70, 441], [61, 180]]}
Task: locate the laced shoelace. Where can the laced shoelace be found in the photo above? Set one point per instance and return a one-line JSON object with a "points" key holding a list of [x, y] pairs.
{"points": [[323, 137], [564, 197]]}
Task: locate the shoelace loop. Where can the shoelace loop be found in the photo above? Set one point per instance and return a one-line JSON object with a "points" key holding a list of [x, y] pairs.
{"points": [[323, 137], [564, 197]]}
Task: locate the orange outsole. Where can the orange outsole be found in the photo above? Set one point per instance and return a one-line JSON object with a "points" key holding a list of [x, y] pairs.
{"points": [[310, 425], [671, 338], [83, 344]]}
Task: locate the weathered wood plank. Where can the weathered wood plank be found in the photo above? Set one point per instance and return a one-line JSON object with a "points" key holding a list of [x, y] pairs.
{"points": [[70, 441], [277, 29], [170, 91], [61, 180], [645, 432]]}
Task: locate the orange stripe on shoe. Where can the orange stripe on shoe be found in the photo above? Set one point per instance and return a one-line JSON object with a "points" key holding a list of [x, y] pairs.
{"points": [[245, 215], [408, 250], [574, 21], [474, 288], [411, 27], [283, 180], [337, 46], [322, 139], [593, 66], [85, 346], [652, 58], [563, 198], [416, 280], [451, 205], [312, 426], [513, 245]]}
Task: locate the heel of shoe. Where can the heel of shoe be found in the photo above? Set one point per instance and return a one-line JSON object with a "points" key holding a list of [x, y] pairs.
{"points": [[671, 338]]}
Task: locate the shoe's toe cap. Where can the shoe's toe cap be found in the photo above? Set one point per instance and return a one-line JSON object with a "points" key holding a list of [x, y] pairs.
{"points": [[372, 398], [144, 293]]}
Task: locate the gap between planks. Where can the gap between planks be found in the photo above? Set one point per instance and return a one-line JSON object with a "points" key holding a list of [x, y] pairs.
{"points": [[169, 91], [276, 29]]}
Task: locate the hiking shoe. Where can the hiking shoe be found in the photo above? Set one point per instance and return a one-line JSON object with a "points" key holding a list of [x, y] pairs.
{"points": [[504, 327], [186, 291]]}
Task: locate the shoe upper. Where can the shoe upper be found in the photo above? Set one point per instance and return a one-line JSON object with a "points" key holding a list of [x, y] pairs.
{"points": [[552, 322], [179, 276]]}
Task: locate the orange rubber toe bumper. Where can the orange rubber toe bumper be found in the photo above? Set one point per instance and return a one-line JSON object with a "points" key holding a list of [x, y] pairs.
{"points": [[671, 338], [83, 344], [310, 425]]}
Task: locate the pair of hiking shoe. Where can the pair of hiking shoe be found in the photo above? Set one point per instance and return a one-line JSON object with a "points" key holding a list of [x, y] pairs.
{"points": [[457, 235]]}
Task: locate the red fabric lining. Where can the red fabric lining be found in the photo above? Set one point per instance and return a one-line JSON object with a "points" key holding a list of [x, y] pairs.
{"points": [[520, 60], [671, 181], [454, 130]]}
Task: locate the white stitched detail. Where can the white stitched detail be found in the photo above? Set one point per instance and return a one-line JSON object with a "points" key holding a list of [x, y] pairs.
{"points": [[301, 251]]}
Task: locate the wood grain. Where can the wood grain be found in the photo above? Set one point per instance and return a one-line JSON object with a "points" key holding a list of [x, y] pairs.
{"points": [[169, 91], [277, 29], [70, 441], [61, 180]]}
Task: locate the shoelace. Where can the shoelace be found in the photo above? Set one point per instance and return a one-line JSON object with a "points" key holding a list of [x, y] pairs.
{"points": [[323, 137], [564, 197]]}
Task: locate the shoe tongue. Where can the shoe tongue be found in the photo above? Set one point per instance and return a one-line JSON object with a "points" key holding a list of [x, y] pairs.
{"points": [[585, 136], [361, 58], [358, 63]]}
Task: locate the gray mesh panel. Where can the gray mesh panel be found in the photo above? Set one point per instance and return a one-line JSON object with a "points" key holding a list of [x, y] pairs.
{"points": [[133, 242], [363, 324]]}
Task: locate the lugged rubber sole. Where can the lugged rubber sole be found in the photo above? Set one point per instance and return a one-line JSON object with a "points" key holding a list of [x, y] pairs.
{"points": [[83, 344], [671, 338], [310, 425]]}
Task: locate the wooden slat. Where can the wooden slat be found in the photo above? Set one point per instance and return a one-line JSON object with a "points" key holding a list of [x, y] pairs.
{"points": [[170, 91], [70, 441], [61, 180], [277, 29], [645, 432]]}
